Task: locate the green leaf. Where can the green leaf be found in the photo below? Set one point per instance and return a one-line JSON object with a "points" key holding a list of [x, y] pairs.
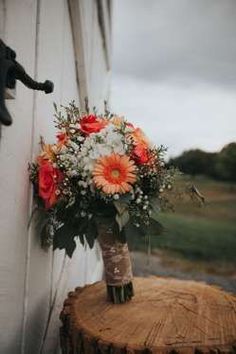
{"points": [[83, 224], [70, 247], [81, 238], [120, 206], [64, 238], [91, 233], [125, 198], [122, 215], [154, 228], [122, 218], [46, 238], [131, 230], [119, 235], [102, 209], [55, 106], [40, 217]]}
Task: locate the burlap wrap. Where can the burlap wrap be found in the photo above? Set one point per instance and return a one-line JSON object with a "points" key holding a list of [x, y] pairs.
{"points": [[116, 257]]}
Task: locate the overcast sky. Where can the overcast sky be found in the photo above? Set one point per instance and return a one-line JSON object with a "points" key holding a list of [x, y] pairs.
{"points": [[174, 70]]}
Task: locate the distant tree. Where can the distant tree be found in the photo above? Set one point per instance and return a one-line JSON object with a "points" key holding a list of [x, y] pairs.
{"points": [[195, 162], [225, 165], [220, 165]]}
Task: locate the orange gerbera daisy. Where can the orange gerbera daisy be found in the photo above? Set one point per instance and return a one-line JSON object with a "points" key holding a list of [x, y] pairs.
{"points": [[114, 174]]}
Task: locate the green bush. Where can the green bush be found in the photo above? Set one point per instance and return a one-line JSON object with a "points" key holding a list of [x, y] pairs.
{"points": [[225, 165], [220, 165]]}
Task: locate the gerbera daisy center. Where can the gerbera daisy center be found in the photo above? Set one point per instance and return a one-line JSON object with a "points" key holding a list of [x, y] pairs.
{"points": [[115, 173]]}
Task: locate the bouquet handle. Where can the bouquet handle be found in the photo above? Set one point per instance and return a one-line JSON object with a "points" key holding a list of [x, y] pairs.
{"points": [[117, 264]]}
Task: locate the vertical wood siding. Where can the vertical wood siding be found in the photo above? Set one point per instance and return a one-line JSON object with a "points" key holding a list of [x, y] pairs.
{"points": [[92, 65], [34, 282], [15, 152]]}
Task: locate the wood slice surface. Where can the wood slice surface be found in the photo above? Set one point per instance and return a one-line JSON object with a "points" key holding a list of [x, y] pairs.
{"points": [[166, 315]]}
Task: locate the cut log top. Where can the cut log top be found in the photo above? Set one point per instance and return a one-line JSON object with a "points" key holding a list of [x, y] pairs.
{"points": [[165, 315]]}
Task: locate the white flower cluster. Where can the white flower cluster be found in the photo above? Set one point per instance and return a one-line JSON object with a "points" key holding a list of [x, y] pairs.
{"points": [[79, 159], [68, 158], [97, 145]]}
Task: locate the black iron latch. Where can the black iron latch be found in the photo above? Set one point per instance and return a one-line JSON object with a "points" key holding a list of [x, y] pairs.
{"points": [[10, 71]]}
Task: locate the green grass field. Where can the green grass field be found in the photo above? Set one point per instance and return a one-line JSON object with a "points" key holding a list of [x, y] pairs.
{"points": [[199, 234]]}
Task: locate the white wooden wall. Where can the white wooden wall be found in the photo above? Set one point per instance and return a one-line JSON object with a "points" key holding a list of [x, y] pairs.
{"points": [[92, 60], [34, 283]]}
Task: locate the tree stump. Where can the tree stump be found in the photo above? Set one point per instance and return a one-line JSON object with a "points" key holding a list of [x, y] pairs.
{"points": [[165, 316]]}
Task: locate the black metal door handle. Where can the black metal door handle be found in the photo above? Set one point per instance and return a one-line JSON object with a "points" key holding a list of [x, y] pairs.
{"points": [[6, 64], [10, 71]]}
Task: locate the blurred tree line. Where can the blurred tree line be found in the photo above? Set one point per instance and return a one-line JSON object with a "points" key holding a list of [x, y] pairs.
{"points": [[221, 165]]}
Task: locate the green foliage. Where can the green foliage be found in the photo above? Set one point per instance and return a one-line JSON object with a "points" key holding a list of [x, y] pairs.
{"points": [[91, 233], [196, 233], [42, 226], [120, 235], [122, 215], [64, 238], [220, 165], [198, 238], [62, 235], [153, 229], [195, 162], [226, 163]]}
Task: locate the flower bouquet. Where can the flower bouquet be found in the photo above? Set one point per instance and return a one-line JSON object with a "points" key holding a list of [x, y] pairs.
{"points": [[100, 179]]}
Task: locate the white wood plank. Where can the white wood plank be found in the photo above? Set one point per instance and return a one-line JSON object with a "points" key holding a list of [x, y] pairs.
{"points": [[86, 265], [93, 74], [78, 33], [49, 66], [15, 151], [2, 18], [99, 76]]}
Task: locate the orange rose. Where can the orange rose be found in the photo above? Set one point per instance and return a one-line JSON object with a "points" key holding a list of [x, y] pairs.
{"points": [[140, 154], [139, 137], [49, 178], [92, 124]]}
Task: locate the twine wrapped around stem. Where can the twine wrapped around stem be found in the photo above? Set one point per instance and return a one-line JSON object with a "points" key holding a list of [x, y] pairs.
{"points": [[117, 264]]}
